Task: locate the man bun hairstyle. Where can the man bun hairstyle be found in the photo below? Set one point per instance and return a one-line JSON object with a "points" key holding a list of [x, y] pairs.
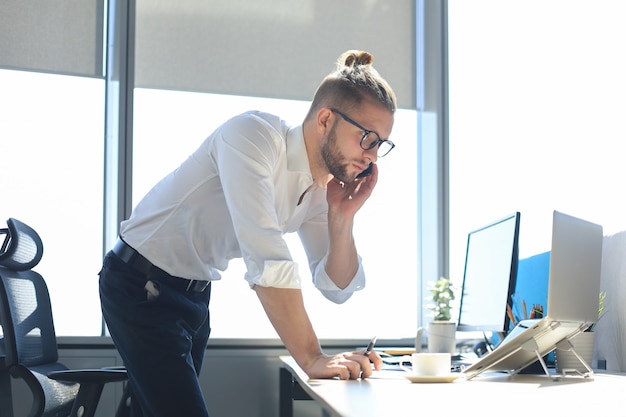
{"points": [[353, 81], [354, 58]]}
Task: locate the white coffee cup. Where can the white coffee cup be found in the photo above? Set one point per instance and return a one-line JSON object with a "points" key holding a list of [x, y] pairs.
{"points": [[429, 364]]}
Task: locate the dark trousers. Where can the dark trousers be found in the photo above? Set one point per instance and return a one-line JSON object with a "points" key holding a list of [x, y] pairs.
{"points": [[161, 339]]}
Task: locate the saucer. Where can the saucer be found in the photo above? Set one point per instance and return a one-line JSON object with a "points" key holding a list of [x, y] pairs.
{"points": [[433, 378]]}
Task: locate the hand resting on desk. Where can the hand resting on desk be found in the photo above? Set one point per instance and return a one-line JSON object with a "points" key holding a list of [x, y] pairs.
{"points": [[346, 365]]}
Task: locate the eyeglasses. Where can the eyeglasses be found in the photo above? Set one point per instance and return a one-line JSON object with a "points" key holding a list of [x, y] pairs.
{"points": [[370, 138]]}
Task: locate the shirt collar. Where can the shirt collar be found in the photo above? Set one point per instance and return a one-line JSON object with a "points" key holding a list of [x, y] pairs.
{"points": [[297, 159]]}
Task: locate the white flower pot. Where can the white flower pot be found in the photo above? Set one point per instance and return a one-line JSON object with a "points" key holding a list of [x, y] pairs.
{"points": [[442, 337]]}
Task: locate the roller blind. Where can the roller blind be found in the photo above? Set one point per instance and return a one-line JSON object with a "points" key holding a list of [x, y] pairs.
{"points": [[270, 48], [265, 48], [60, 36]]}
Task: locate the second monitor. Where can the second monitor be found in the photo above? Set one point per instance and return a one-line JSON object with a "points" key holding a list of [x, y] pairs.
{"points": [[489, 277]]}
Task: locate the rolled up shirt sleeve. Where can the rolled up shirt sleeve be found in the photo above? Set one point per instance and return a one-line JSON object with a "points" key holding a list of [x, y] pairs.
{"points": [[330, 290], [279, 274], [248, 155]]}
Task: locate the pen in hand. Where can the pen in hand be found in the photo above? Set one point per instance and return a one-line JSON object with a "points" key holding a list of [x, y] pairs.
{"points": [[370, 346]]}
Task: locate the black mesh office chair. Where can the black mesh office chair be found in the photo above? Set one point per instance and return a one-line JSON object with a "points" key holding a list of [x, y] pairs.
{"points": [[28, 345]]}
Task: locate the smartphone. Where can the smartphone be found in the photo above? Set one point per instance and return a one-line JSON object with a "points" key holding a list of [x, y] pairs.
{"points": [[367, 171]]}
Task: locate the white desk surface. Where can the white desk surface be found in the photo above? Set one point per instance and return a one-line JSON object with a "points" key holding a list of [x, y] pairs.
{"points": [[389, 393]]}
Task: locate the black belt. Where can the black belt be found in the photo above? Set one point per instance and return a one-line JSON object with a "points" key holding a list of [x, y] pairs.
{"points": [[140, 264]]}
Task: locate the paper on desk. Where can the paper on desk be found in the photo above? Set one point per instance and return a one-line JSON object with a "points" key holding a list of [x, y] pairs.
{"points": [[384, 373]]}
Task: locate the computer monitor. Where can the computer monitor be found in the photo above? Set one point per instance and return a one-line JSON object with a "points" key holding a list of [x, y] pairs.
{"points": [[489, 278]]}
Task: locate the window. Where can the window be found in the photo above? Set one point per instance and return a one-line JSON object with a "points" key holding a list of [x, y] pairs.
{"points": [[52, 157], [236, 52], [536, 109]]}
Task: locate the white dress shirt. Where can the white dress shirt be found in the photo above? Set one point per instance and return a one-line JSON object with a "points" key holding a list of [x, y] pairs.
{"points": [[236, 196]]}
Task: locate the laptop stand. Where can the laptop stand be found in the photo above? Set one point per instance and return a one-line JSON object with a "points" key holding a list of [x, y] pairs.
{"points": [[566, 345]]}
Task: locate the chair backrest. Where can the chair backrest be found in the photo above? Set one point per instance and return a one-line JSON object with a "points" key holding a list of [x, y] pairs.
{"points": [[25, 311], [21, 248]]}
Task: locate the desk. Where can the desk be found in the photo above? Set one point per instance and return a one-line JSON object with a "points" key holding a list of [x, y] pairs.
{"points": [[388, 393]]}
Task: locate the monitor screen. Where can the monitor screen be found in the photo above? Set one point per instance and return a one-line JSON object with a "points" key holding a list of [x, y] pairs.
{"points": [[490, 274]]}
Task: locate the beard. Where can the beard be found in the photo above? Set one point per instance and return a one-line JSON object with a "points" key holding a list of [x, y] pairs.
{"points": [[333, 158]]}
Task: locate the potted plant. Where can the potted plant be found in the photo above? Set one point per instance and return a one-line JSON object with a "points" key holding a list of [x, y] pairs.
{"points": [[442, 295], [601, 310], [442, 329]]}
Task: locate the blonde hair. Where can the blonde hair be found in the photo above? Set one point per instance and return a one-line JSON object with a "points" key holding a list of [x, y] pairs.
{"points": [[353, 81]]}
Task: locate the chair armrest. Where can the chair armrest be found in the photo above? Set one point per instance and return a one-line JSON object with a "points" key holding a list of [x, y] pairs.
{"points": [[103, 375]]}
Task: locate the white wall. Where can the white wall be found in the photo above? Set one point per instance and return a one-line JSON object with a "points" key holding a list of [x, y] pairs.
{"points": [[610, 344]]}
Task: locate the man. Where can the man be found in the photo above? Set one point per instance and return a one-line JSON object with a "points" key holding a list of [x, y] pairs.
{"points": [[251, 181]]}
